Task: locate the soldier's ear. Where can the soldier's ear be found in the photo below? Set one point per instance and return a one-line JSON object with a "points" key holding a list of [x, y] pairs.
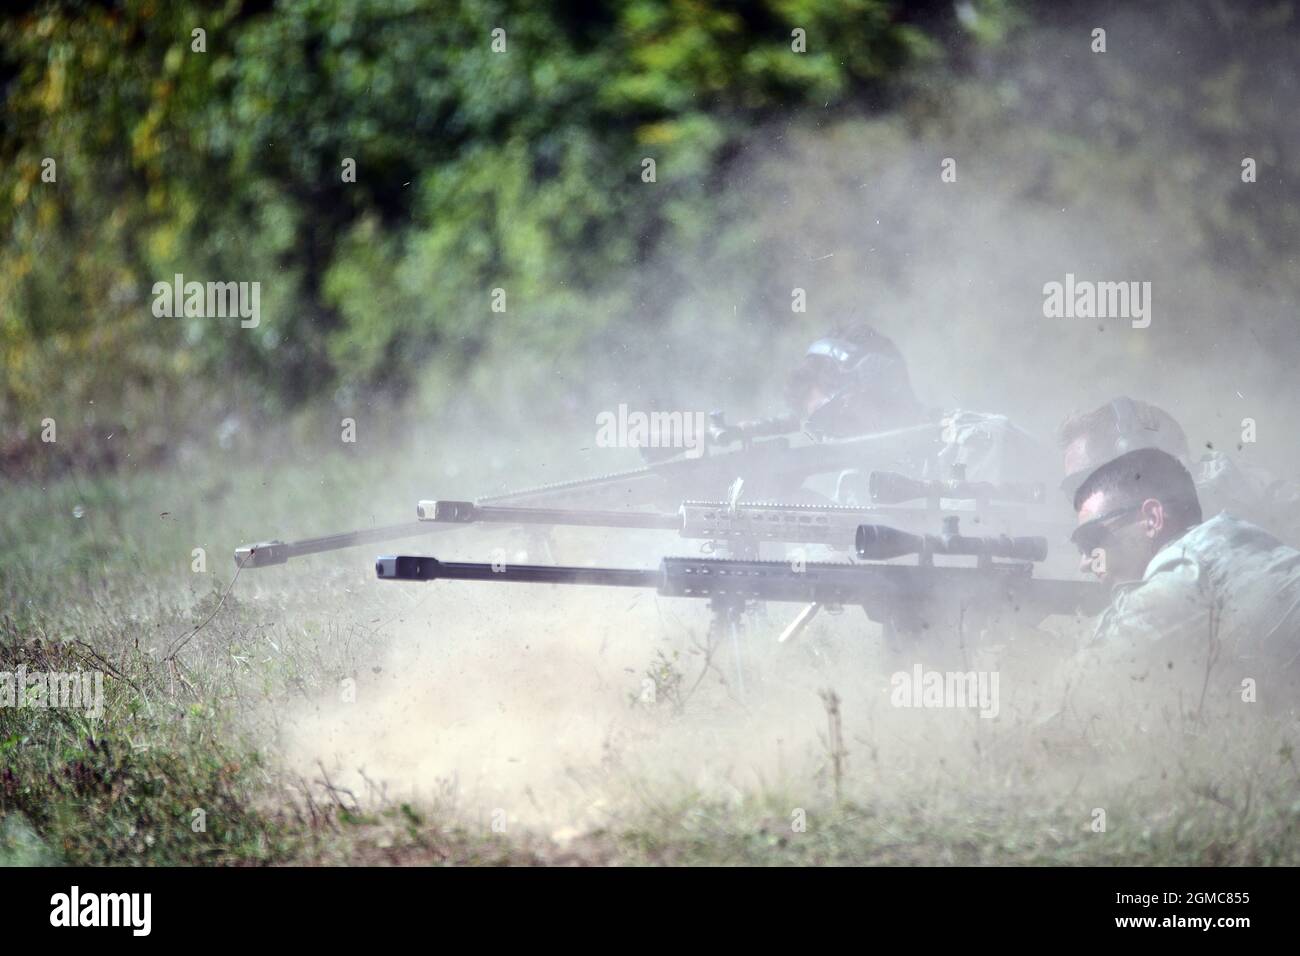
{"points": [[1153, 517]]}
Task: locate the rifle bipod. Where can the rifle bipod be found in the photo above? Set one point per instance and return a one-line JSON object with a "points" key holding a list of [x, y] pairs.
{"points": [[727, 626]]}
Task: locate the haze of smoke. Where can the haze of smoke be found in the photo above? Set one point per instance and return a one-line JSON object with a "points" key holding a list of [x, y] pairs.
{"points": [[525, 700]]}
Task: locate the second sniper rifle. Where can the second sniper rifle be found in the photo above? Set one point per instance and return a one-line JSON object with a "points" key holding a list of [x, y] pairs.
{"points": [[772, 468], [739, 527]]}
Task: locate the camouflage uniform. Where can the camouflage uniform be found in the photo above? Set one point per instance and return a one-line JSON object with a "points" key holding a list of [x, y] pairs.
{"points": [[1253, 493], [1216, 607]]}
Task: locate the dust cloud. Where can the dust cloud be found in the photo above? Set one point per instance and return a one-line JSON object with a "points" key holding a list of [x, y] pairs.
{"points": [[531, 701]]}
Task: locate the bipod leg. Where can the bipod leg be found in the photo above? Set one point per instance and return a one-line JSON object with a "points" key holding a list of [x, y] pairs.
{"points": [[728, 615], [897, 640], [540, 540], [728, 624], [734, 627]]}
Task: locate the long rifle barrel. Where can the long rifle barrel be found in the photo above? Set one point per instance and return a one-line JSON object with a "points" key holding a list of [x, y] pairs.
{"points": [[278, 552], [770, 467], [414, 568], [467, 512]]}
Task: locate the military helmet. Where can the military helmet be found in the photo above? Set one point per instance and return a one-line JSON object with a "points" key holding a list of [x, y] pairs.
{"points": [[865, 370], [1117, 428]]}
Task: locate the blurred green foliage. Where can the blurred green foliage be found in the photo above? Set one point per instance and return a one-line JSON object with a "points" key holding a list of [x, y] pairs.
{"points": [[476, 169], [522, 169]]}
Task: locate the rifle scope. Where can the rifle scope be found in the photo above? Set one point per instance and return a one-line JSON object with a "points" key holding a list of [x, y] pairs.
{"points": [[880, 543]]}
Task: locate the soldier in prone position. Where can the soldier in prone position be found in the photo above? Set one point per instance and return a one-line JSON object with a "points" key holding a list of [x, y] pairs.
{"points": [[855, 381], [1210, 608]]}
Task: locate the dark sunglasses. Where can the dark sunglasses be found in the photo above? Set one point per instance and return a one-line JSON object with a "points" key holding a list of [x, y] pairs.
{"points": [[1092, 534]]}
